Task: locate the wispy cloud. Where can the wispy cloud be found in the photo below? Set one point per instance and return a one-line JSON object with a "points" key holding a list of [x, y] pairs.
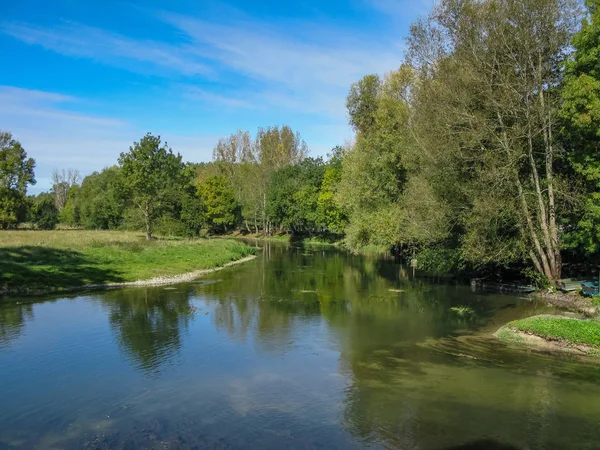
{"points": [[310, 68], [38, 105], [112, 48], [233, 100], [60, 138], [231, 63]]}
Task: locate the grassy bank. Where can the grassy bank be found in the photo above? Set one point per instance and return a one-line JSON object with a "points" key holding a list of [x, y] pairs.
{"points": [[317, 239], [573, 331], [49, 261], [554, 331]]}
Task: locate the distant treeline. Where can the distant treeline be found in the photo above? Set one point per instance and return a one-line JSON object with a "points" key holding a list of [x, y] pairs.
{"points": [[263, 184], [479, 154]]}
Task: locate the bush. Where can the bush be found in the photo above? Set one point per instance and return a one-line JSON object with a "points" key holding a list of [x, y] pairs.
{"points": [[44, 213]]}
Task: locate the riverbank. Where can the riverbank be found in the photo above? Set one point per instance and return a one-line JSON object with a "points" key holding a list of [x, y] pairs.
{"points": [[555, 333], [41, 262], [316, 239], [571, 302]]}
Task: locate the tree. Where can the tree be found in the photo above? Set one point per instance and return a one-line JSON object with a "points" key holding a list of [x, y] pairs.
{"points": [[487, 112], [373, 172], [101, 201], [71, 213], [293, 195], [362, 102], [249, 163], [13, 208], [62, 181], [149, 169], [331, 215], [44, 213], [220, 208], [580, 114], [16, 172]]}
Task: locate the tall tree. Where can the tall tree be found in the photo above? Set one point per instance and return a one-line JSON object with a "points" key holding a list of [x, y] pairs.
{"points": [[221, 211], [101, 200], [249, 164], [16, 173], [149, 169], [62, 182], [487, 115], [580, 114]]}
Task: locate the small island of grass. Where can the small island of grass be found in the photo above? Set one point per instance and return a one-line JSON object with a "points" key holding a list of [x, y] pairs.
{"points": [[35, 262], [554, 332]]}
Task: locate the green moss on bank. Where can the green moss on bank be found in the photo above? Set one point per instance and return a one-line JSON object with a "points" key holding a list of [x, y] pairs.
{"points": [[38, 261]]}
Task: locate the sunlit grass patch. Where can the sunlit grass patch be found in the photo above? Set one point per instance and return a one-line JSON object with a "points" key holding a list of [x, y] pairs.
{"points": [[573, 331], [54, 260]]}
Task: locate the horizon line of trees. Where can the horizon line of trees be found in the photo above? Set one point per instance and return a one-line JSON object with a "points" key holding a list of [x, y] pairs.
{"points": [[479, 154], [261, 184]]}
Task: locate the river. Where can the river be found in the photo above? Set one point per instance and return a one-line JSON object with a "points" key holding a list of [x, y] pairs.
{"points": [[304, 347]]}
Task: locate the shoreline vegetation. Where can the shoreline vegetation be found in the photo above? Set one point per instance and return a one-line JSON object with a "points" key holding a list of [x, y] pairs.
{"points": [[554, 333], [44, 262]]}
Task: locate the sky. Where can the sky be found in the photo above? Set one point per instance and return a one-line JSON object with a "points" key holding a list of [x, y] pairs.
{"points": [[80, 81]]}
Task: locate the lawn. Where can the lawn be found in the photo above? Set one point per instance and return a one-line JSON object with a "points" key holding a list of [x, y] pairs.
{"points": [[573, 331], [55, 260]]}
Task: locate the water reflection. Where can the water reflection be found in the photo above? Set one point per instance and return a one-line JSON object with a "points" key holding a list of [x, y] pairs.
{"points": [[12, 321], [149, 323], [302, 348]]}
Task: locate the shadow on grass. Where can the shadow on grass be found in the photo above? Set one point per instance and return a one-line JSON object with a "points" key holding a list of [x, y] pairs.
{"points": [[31, 268]]}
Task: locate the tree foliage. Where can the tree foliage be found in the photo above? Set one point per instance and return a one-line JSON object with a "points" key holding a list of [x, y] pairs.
{"points": [[149, 170], [44, 214], [100, 202], [16, 173], [220, 207], [580, 115]]}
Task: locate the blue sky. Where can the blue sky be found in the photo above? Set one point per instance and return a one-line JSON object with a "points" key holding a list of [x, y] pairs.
{"points": [[81, 80]]}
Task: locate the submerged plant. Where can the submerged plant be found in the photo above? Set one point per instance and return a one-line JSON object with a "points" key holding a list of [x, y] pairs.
{"points": [[464, 312]]}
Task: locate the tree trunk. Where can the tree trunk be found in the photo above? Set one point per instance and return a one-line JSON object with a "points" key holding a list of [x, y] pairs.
{"points": [[264, 212], [148, 222]]}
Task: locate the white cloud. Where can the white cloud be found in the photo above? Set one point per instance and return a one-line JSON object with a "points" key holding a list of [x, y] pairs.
{"points": [[310, 73], [308, 68], [57, 138], [111, 48], [288, 70]]}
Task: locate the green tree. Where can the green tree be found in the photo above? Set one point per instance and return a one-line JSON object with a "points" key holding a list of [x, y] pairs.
{"points": [[580, 113], [16, 172], [363, 102], [221, 211], [44, 213], [373, 173], [331, 215], [182, 212], [149, 169], [292, 198], [101, 200], [71, 212], [486, 124]]}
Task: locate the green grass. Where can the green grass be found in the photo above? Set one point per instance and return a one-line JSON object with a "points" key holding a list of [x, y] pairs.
{"points": [[55, 260], [559, 328], [318, 239]]}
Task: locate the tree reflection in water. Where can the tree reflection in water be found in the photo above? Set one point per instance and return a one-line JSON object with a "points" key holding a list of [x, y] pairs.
{"points": [[13, 318], [149, 323]]}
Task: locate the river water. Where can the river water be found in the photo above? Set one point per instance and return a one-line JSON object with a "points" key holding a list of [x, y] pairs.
{"points": [[304, 347]]}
